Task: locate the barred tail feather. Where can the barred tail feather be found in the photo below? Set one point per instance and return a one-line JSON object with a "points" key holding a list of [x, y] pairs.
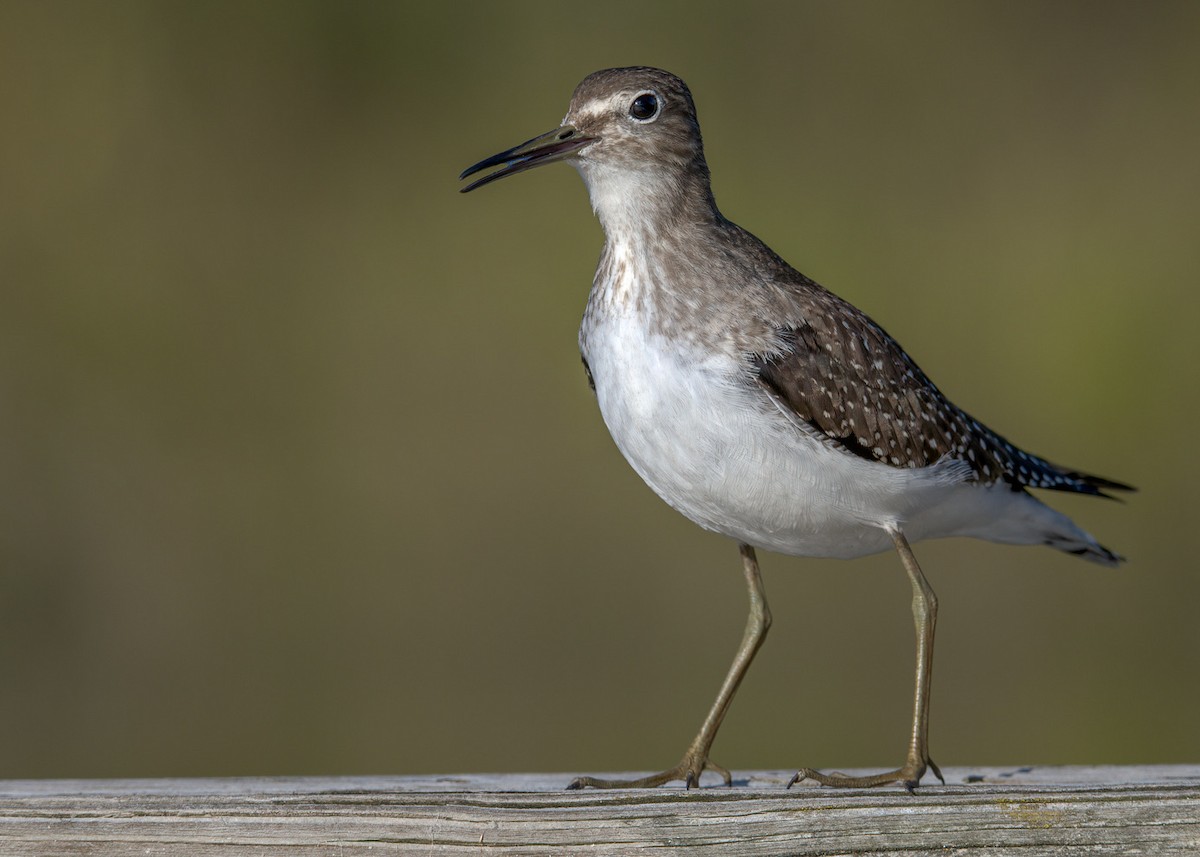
{"points": [[1088, 549], [1085, 483], [1019, 518]]}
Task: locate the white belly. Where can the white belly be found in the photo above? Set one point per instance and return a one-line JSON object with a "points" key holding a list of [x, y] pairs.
{"points": [[719, 451]]}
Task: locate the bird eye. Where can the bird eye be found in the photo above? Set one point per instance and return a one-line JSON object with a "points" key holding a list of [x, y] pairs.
{"points": [[645, 107]]}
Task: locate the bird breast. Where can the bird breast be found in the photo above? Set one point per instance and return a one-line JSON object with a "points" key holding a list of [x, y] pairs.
{"points": [[699, 431]]}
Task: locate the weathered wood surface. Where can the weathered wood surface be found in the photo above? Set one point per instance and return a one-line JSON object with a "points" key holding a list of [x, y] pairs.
{"points": [[1151, 810]]}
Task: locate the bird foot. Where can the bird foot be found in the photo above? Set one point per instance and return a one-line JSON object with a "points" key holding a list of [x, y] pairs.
{"points": [[908, 776], [688, 771]]}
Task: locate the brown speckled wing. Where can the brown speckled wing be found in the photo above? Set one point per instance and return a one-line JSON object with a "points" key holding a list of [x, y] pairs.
{"points": [[845, 377]]}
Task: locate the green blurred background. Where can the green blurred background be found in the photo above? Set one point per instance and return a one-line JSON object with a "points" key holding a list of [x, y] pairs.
{"points": [[299, 473]]}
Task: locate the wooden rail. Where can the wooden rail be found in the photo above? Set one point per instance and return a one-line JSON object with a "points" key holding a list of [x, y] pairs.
{"points": [[1153, 810]]}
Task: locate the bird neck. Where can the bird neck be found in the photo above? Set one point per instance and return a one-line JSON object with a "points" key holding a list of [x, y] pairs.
{"points": [[660, 229], [636, 204]]}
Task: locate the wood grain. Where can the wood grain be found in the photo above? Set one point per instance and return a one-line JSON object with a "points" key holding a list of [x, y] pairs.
{"points": [[1054, 811]]}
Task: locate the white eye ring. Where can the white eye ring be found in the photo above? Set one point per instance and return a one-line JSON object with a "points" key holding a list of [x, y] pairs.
{"points": [[645, 107]]}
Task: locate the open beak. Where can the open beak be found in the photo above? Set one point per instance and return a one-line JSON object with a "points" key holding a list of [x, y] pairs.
{"points": [[553, 146]]}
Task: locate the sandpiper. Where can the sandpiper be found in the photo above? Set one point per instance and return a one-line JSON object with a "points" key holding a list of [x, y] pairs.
{"points": [[762, 406]]}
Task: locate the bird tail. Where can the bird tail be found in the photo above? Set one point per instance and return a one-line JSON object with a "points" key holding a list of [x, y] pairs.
{"points": [[1071, 539], [1085, 483], [1086, 547], [1030, 521]]}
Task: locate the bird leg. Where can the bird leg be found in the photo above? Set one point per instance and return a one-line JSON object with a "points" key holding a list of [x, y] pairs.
{"points": [[924, 609], [695, 761]]}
